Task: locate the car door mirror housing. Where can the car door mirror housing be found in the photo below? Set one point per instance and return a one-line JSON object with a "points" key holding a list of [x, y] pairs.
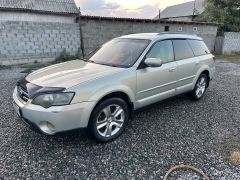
{"points": [[153, 62]]}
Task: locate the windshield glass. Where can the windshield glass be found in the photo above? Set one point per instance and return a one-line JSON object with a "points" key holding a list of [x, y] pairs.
{"points": [[119, 52]]}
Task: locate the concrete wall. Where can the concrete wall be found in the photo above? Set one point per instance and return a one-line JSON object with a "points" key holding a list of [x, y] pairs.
{"points": [[29, 41], [97, 32], [23, 42], [35, 17], [231, 43]]}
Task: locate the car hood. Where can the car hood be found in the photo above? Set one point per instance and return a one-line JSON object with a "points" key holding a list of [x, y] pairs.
{"points": [[70, 74]]}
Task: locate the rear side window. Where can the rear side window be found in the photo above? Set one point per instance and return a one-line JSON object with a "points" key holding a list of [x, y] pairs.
{"points": [[199, 47], [182, 49]]}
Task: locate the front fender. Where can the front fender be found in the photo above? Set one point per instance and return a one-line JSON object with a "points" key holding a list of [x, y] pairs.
{"points": [[112, 89]]}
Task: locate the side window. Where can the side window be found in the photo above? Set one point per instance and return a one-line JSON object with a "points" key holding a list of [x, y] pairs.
{"points": [[162, 50], [182, 49], [199, 48]]}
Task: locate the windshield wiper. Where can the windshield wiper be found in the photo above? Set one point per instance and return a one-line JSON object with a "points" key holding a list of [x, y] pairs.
{"points": [[106, 64], [87, 60]]}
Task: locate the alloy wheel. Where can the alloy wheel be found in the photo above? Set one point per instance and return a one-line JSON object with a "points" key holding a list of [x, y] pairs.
{"points": [[110, 120], [201, 87]]}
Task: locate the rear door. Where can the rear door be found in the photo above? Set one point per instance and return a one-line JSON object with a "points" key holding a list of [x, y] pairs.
{"points": [[187, 64], [157, 83]]}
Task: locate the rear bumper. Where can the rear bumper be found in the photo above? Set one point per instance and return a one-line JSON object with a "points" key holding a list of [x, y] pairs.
{"points": [[53, 120]]}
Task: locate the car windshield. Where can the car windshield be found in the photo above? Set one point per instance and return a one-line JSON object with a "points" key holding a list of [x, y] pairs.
{"points": [[119, 52]]}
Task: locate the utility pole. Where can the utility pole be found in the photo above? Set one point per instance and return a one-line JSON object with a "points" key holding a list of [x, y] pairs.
{"points": [[81, 33], [159, 15]]}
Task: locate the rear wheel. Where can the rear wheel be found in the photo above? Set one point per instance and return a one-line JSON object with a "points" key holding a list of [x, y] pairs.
{"points": [[200, 87], [109, 119]]}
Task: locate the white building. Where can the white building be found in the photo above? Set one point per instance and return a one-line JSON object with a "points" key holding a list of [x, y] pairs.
{"points": [[38, 10]]}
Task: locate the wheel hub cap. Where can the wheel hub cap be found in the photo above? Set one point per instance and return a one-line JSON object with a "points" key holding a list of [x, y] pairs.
{"points": [[201, 87], [110, 120]]}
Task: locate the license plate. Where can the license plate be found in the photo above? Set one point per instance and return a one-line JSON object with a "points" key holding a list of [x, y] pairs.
{"points": [[17, 109]]}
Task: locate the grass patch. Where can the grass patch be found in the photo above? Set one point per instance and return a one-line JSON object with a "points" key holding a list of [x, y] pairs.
{"points": [[3, 67], [36, 65], [235, 157], [230, 151], [64, 56], [230, 58]]}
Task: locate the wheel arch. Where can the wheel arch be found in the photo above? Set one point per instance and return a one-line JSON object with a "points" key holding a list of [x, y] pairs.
{"points": [[117, 94], [203, 70], [206, 72]]}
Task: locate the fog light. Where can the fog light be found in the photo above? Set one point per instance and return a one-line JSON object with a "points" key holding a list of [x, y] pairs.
{"points": [[47, 127]]}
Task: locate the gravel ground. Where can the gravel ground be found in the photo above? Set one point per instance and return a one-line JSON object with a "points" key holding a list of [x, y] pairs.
{"points": [[170, 133]]}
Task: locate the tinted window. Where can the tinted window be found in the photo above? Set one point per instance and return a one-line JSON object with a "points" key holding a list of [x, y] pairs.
{"points": [[162, 50], [166, 28], [182, 49], [119, 52], [199, 48]]}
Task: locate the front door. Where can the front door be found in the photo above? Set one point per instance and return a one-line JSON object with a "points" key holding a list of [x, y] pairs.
{"points": [[157, 83]]}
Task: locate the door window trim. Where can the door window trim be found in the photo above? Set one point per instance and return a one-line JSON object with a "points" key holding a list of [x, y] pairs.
{"points": [[142, 66]]}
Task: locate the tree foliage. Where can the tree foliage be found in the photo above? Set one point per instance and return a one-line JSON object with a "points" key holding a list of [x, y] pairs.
{"points": [[225, 12]]}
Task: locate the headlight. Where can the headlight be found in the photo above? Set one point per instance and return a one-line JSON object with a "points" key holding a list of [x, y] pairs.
{"points": [[58, 99]]}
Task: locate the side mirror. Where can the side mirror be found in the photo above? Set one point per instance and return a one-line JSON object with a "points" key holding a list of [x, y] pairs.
{"points": [[153, 62]]}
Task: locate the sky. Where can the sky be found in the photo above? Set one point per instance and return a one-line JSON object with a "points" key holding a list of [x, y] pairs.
{"points": [[125, 8]]}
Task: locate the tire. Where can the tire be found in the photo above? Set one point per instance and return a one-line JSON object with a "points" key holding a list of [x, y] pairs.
{"points": [[200, 87], [108, 120]]}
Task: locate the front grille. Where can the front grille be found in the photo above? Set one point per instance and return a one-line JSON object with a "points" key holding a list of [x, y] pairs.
{"points": [[23, 94]]}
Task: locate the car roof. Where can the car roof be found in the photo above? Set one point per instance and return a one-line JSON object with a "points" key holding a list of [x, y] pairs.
{"points": [[159, 36]]}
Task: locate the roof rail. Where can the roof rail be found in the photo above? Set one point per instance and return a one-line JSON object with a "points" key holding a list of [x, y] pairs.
{"points": [[176, 33]]}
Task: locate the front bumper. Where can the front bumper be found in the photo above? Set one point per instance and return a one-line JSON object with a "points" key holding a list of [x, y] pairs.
{"points": [[55, 119]]}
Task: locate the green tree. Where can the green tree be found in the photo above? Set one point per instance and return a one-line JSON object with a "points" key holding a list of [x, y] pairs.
{"points": [[225, 12]]}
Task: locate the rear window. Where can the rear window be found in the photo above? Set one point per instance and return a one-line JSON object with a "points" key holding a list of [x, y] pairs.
{"points": [[199, 47], [182, 49]]}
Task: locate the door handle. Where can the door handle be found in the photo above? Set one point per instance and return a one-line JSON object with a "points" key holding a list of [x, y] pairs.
{"points": [[197, 63], [171, 69]]}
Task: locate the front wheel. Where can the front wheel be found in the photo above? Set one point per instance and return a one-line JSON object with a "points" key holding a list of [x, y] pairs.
{"points": [[200, 87], [109, 119]]}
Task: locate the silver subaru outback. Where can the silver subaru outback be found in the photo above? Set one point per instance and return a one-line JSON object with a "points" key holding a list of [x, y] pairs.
{"points": [[101, 92]]}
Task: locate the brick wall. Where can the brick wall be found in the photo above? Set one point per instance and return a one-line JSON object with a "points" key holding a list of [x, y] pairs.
{"points": [[23, 42], [231, 43]]}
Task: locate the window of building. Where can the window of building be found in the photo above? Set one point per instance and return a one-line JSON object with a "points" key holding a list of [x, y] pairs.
{"points": [[182, 49], [162, 50], [180, 29], [199, 48], [166, 28]]}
